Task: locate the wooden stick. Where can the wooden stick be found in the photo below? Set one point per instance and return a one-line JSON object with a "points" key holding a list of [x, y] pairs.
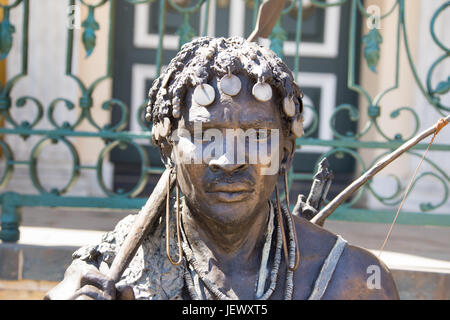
{"points": [[145, 220], [377, 167], [268, 14]]}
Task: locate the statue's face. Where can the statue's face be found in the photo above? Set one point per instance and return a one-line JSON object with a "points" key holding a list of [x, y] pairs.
{"points": [[218, 185]]}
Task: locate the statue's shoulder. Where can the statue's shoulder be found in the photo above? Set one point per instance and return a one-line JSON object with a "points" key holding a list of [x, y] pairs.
{"points": [[358, 274]]}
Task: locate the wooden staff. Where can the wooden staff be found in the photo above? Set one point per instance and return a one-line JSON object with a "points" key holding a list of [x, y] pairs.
{"points": [[377, 167], [268, 14], [145, 220]]}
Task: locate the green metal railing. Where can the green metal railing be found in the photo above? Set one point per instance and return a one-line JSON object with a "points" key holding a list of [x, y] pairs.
{"points": [[115, 135]]}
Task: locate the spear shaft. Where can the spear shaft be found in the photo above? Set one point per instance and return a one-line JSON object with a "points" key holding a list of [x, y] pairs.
{"points": [[268, 14]]}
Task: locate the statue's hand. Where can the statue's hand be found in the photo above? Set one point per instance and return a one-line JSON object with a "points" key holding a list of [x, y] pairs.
{"points": [[83, 281], [94, 285]]}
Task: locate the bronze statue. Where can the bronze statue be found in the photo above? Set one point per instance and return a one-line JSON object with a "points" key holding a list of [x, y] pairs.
{"points": [[225, 233]]}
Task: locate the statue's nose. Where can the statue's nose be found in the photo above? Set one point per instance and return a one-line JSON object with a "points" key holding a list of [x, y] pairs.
{"points": [[226, 164]]}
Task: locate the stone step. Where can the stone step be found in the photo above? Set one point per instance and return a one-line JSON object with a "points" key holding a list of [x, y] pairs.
{"points": [[24, 289]]}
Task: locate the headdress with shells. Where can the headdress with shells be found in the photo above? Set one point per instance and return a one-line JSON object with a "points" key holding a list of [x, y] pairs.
{"points": [[201, 59]]}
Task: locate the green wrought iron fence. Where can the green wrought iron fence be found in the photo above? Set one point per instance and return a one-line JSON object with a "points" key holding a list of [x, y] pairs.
{"points": [[114, 135]]}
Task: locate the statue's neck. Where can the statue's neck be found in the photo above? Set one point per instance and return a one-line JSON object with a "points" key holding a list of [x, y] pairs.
{"points": [[227, 246]]}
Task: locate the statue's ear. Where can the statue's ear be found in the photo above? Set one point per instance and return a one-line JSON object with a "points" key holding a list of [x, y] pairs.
{"points": [[287, 153]]}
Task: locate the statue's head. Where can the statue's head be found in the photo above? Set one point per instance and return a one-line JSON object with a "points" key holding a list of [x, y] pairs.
{"points": [[226, 113]]}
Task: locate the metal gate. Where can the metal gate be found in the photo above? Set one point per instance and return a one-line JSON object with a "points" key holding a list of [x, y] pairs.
{"points": [[128, 128]]}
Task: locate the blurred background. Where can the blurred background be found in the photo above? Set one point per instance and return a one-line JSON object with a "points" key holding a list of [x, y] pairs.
{"points": [[76, 153]]}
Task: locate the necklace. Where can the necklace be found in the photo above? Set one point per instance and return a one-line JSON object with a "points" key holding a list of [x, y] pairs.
{"points": [[194, 272]]}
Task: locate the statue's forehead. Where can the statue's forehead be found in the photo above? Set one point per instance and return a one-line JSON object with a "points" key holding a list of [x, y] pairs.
{"points": [[234, 113]]}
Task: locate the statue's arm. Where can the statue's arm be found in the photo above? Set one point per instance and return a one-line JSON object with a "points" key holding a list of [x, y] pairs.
{"points": [[360, 275]]}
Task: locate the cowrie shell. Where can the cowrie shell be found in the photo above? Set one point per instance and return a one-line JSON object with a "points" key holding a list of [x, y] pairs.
{"points": [[176, 113], [262, 91], [230, 85], [204, 94], [297, 126], [164, 127], [176, 101], [289, 106], [166, 78], [155, 131]]}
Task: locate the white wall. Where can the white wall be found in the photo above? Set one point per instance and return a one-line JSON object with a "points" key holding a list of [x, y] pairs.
{"points": [[46, 80]]}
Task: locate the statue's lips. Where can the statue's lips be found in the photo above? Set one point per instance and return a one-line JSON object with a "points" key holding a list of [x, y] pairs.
{"points": [[230, 192]]}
